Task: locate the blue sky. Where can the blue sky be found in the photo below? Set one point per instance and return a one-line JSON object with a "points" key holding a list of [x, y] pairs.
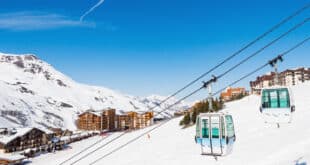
{"points": [[144, 47]]}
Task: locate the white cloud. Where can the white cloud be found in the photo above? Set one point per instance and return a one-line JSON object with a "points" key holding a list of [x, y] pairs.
{"points": [[91, 10], [22, 21]]}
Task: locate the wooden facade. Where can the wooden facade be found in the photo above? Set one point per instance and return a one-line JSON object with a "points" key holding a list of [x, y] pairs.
{"points": [[97, 120], [123, 122], [110, 121], [89, 121], [134, 120], [147, 119]]}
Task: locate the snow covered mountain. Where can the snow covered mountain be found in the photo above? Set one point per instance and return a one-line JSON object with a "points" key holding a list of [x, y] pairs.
{"points": [[33, 93]]}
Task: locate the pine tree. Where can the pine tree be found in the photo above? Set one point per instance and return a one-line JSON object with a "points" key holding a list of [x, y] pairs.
{"points": [[221, 103], [194, 115], [182, 122], [187, 119]]}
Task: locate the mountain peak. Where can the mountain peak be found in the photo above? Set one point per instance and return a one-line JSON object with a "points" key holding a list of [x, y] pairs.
{"points": [[5, 57]]}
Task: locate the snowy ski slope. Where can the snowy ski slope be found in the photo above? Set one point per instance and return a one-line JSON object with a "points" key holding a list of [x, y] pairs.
{"points": [[257, 143]]}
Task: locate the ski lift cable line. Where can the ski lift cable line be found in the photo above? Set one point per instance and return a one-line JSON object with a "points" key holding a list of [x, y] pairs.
{"points": [[222, 75], [235, 82], [261, 49], [102, 146], [265, 65], [215, 67], [257, 52], [278, 25], [266, 46], [87, 148], [231, 69], [121, 135], [147, 132]]}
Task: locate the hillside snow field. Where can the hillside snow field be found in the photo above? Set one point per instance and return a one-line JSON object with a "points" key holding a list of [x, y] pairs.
{"points": [[33, 93], [257, 143]]}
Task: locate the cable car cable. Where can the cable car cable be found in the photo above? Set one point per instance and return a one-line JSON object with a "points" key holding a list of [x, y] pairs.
{"points": [[218, 65], [214, 79], [97, 142], [278, 25], [235, 82], [268, 63], [225, 73], [266, 46], [100, 147]]}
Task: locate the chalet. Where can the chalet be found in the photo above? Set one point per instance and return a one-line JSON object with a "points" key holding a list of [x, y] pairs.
{"points": [[19, 139]]}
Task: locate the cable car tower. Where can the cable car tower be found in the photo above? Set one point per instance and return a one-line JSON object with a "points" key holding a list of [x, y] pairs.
{"points": [[277, 104], [214, 131]]}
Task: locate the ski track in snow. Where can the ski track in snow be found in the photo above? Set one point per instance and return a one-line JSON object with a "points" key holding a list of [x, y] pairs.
{"points": [[257, 143]]}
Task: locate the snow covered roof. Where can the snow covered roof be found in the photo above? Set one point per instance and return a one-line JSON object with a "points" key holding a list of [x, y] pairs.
{"points": [[19, 132], [97, 113], [5, 139]]}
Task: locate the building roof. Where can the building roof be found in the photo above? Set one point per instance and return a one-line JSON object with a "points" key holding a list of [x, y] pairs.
{"points": [[19, 132], [96, 113], [5, 139]]}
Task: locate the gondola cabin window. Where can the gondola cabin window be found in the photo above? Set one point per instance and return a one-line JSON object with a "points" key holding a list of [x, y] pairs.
{"points": [[205, 128], [284, 98], [215, 127], [230, 126], [276, 98]]}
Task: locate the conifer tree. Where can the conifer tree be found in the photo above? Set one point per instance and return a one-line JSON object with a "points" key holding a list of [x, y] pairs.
{"points": [[187, 119], [194, 115]]}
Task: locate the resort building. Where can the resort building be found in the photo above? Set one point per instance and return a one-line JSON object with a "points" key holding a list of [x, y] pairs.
{"points": [[109, 120], [288, 77], [232, 93]]}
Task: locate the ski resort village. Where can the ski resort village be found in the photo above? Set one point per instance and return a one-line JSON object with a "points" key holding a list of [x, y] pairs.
{"points": [[154, 82]]}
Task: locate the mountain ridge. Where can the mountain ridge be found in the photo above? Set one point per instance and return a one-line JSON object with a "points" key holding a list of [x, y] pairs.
{"points": [[34, 93]]}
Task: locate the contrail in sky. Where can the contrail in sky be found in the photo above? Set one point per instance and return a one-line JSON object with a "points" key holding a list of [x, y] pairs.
{"points": [[91, 10]]}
